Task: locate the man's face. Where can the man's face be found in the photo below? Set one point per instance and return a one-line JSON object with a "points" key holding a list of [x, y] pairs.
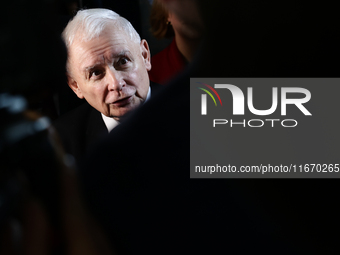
{"points": [[110, 72]]}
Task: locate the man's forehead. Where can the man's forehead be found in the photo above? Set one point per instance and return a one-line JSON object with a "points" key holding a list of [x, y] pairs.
{"points": [[100, 59], [109, 44], [108, 37]]}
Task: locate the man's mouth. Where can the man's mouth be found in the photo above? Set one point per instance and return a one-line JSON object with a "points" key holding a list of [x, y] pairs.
{"points": [[122, 102]]}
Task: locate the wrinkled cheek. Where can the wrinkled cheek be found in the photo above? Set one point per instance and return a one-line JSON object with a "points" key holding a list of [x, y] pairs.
{"points": [[137, 102], [99, 98], [134, 77], [139, 78], [143, 88], [99, 94], [107, 109]]}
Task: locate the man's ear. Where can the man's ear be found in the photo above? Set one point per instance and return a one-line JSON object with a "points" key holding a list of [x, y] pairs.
{"points": [[146, 54], [74, 86]]}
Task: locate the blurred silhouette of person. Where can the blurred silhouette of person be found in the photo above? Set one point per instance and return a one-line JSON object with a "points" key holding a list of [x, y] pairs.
{"points": [[107, 65], [186, 39], [41, 209], [159, 208]]}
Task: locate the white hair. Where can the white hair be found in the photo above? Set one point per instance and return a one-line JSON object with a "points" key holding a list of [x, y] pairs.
{"points": [[89, 24]]}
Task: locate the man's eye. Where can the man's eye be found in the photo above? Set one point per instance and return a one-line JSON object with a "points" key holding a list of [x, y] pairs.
{"points": [[123, 61], [95, 73]]}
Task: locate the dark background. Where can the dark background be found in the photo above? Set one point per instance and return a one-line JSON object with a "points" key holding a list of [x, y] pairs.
{"points": [[245, 39]]}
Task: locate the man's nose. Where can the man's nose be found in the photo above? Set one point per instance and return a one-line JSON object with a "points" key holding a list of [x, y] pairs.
{"points": [[115, 80]]}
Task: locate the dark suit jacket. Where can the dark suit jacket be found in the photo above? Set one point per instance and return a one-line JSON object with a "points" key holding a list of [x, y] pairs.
{"points": [[81, 128]]}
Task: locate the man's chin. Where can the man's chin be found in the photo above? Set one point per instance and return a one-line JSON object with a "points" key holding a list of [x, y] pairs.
{"points": [[122, 114]]}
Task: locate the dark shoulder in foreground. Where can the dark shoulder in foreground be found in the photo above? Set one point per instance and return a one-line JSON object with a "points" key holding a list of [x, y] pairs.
{"points": [[71, 118], [79, 128]]}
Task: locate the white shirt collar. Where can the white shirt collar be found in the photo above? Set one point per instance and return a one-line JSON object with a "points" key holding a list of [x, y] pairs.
{"points": [[149, 94], [111, 123]]}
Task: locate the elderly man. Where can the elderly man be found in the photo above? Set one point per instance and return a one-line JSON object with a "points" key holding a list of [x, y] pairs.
{"points": [[107, 65]]}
